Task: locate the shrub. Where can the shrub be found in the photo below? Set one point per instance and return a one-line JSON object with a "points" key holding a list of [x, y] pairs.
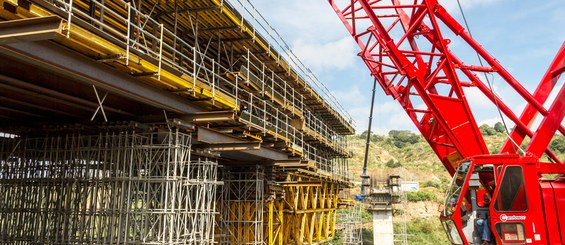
{"points": [[402, 138], [487, 130], [393, 164], [419, 196], [431, 183], [499, 127]]}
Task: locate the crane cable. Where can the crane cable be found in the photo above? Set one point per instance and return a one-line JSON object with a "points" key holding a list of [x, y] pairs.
{"points": [[491, 87]]}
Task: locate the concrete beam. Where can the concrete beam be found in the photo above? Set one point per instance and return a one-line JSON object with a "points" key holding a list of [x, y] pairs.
{"points": [[31, 29]]}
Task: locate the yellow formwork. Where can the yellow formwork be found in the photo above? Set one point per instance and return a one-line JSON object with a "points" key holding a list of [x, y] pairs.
{"points": [[275, 222], [243, 226], [306, 215]]}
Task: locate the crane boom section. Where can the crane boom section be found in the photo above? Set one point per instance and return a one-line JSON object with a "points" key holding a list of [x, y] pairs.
{"points": [[405, 50]]}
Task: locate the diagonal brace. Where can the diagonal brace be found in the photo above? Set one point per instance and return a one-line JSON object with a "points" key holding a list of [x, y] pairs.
{"points": [[100, 106]]}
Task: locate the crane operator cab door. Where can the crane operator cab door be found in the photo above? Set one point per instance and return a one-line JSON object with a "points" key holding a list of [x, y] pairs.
{"points": [[513, 216], [465, 213], [517, 211]]}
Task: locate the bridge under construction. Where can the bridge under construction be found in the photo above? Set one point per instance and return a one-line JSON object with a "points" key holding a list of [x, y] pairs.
{"points": [[162, 122]]}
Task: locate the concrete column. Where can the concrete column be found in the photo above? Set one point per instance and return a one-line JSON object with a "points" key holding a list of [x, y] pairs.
{"points": [[383, 233]]}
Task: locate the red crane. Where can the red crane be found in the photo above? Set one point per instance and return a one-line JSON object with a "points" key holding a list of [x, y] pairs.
{"points": [[403, 46]]}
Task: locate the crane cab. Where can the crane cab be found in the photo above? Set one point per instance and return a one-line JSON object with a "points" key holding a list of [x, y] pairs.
{"points": [[502, 200]]}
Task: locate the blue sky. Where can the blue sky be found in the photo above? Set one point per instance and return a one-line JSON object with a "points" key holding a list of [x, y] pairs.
{"points": [[523, 35]]}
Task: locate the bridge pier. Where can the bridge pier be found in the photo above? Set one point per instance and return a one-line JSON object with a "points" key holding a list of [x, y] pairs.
{"points": [[383, 233]]}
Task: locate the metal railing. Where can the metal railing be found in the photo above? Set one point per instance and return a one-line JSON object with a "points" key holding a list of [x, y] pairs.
{"points": [[261, 27]]}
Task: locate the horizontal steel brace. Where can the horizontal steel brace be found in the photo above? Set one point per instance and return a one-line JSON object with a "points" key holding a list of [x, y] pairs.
{"points": [[189, 10], [234, 146], [59, 60], [318, 210], [213, 116], [302, 183], [212, 137], [32, 29]]}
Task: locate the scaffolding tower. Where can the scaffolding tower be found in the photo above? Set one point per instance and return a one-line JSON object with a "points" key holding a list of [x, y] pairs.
{"points": [[353, 225], [242, 205], [401, 233], [114, 187]]}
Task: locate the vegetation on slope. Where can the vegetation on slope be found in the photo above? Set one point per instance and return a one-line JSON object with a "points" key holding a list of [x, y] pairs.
{"points": [[409, 155]]}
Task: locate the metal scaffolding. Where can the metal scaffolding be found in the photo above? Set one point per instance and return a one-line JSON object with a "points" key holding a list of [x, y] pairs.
{"points": [[242, 205], [352, 225], [401, 232], [112, 187]]}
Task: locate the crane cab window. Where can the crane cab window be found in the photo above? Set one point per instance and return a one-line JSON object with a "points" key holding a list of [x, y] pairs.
{"points": [[452, 232], [512, 192]]}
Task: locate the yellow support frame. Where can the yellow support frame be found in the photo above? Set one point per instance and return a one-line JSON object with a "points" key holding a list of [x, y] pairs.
{"points": [[306, 215]]}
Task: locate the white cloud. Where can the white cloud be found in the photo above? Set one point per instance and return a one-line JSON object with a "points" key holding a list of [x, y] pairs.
{"points": [[451, 5], [476, 98], [388, 107], [295, 19], [351, 97], [326, 56], [401, 121]]}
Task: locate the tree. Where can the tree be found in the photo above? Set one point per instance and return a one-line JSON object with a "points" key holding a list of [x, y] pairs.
{"points": [[377, 138], [558, 144], [401, 138], [487, 130], [499, 127], [363, 135]]}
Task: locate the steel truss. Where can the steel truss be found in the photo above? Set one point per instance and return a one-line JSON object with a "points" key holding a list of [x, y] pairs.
{"points": [[107, 188], [309, 210], [405, 50]]}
